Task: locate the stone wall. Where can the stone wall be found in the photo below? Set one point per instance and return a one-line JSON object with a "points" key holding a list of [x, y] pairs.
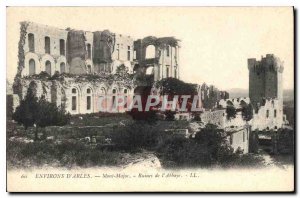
{"points": [[80, 95], [239, 138]]}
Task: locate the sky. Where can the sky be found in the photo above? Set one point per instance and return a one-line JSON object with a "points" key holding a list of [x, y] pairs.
{"points": [[215, 41]]}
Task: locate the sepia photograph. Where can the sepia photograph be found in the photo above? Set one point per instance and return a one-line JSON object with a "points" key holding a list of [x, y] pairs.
{"points": [[150, 99]]}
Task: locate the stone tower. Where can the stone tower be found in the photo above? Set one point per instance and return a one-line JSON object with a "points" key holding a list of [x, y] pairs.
{"points": [[265, 79]]}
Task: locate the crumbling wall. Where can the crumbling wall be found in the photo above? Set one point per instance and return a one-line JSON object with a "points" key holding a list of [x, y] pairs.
{"points": [[76, 51], [103, 47]]}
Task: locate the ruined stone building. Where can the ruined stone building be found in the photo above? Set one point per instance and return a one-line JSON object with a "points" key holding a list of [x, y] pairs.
{"points": [[76, 69], [266, 92], [210, 95], [265, 97]]}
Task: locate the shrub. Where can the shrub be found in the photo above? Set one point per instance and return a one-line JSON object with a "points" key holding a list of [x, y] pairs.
{"points": [[135, 136], [230, 111], [39, 112]]}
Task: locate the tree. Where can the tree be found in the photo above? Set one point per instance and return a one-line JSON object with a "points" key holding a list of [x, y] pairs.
{"points": [[215, 141], [25, 114], [174, 86], [39, 112], [230, 111], [247, 112]]}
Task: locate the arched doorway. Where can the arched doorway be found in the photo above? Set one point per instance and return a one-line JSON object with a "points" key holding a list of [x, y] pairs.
{"points": [[48, 67], [31, 67]]}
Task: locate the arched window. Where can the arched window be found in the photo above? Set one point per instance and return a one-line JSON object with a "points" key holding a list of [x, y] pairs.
{"points": [[114, 91], [89, 51], [62, 67], [89, 69], [74, 99], [31, 67], [102, 100], [89, 99], [31, 42], [62, 47], [47, 45], [48, 67], [125, 98], [63, 98], [150, 51]]}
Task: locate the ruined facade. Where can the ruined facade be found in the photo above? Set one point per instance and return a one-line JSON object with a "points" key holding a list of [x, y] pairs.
{"points": [[76, 68], [210, 96], [265, 97], [266, 92], [158, 57]]}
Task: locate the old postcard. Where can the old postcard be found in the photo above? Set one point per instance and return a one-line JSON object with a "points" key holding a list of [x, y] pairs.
{"points": [[150, 99]]}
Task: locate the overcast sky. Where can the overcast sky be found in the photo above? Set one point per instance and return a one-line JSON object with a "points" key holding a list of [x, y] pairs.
{"points": [[216, 42]]}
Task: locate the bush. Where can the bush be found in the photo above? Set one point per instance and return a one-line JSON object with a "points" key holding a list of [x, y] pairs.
{"points": [[231, 112], [33, 111], [135, 136], [65, 154]]}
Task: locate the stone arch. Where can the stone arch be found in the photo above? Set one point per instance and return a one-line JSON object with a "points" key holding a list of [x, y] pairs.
{"points": [[63, 98], [59, 61], [32, 67], [75, 100], [114, 91], [229, 103], [89, 66], [31, 56], [88, 94], [48, 67], [101, 99], [62, 67], [150, 70], [150, 51], [243, 103], [49, 58]]}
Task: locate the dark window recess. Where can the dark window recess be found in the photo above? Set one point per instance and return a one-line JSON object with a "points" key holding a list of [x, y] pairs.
{"points": [[31, 42], [89, 51], [88, 102], [47, 45], [62, 67], [48, 67], [74, 103], [31, 67], [168, 50], [62, 50], [128, 55]]}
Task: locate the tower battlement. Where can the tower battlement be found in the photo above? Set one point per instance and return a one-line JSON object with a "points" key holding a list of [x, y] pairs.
{"points": [[269, 63]]}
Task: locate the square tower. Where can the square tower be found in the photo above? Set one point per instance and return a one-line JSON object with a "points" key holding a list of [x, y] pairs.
{"points": [[265, 79]]}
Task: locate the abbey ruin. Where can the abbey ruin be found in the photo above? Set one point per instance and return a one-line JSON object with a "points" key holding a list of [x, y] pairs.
{"points": [[76, 69]]}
